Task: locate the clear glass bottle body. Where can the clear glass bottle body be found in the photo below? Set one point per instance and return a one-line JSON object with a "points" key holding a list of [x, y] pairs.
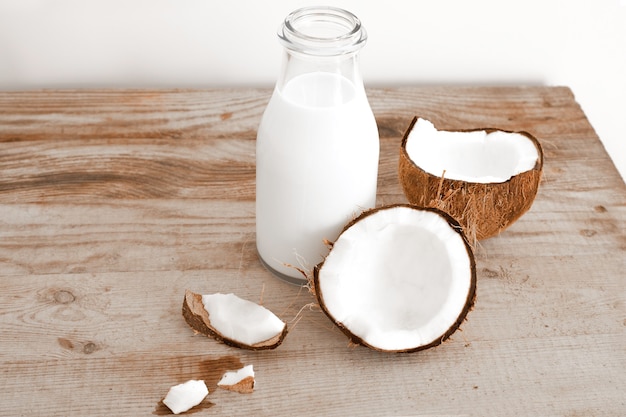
{"points": [[317, 144]]}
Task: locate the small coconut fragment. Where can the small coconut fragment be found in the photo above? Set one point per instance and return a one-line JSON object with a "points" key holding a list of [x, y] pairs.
{"points": [[486, 179], [233, 320], [241, 380], [185, 396], [398, 278]]}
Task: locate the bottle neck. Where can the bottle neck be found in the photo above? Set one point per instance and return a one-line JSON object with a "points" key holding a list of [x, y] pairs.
{"points": [[322, 40]]}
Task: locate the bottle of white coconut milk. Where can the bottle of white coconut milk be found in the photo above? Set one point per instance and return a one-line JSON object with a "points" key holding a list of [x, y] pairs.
{"points": [[317, 144]]}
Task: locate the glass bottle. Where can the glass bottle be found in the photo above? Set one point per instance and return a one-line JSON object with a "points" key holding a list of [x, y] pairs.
{"points": [[317, 144]]}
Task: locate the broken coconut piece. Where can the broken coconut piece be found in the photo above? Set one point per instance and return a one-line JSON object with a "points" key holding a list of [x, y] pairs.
{"points": [[486, 179], [241, 380], [233, 320], [183, 397], [398, 278]]}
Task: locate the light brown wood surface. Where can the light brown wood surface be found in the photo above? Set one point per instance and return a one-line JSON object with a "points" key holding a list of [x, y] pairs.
{"points": [[113, 202]]}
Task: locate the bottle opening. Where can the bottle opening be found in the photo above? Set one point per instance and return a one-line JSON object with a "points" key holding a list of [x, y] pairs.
{"points": [[322, 31]]}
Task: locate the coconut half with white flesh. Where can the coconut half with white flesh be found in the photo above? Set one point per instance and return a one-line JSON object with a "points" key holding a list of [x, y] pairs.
{"points": [[233, 320], [486, 179], [398, 278]]}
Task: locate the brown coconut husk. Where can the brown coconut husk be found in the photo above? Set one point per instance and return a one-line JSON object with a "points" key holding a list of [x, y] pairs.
{"points": [[483, 210]]}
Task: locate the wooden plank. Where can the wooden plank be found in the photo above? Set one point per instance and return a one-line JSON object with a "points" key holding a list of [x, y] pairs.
{"points": [[112, 203]]}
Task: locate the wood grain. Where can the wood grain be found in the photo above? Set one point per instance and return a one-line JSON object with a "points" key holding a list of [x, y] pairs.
{"points": [[113, 202]]}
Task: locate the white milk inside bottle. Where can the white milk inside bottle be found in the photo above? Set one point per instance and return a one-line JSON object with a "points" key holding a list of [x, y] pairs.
{"points": [[317, 166]]}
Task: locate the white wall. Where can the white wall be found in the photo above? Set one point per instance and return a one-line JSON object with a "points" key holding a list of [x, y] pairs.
{"points": [[199, 43]]}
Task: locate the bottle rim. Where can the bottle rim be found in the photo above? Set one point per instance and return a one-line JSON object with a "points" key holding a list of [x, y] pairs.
{"points": [[322, 31]]}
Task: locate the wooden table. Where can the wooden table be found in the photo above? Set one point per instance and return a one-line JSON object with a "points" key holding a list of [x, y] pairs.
{"points": [[112, 203]]}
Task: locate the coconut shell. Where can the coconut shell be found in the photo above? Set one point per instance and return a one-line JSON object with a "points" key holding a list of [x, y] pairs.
{"points": [[483, 209], [197, 317]]}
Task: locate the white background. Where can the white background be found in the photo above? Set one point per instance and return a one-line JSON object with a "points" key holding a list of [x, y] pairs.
{"points": [[200, 43]]}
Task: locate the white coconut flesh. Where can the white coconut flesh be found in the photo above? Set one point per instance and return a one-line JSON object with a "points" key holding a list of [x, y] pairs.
{"points": [[472, 156], [399, 279], [241, 320], [183, 397]]}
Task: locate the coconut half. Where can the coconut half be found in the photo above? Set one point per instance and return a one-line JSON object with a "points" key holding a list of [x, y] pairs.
{"points": [[233, 320], [398, 278], [486, 179]]}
